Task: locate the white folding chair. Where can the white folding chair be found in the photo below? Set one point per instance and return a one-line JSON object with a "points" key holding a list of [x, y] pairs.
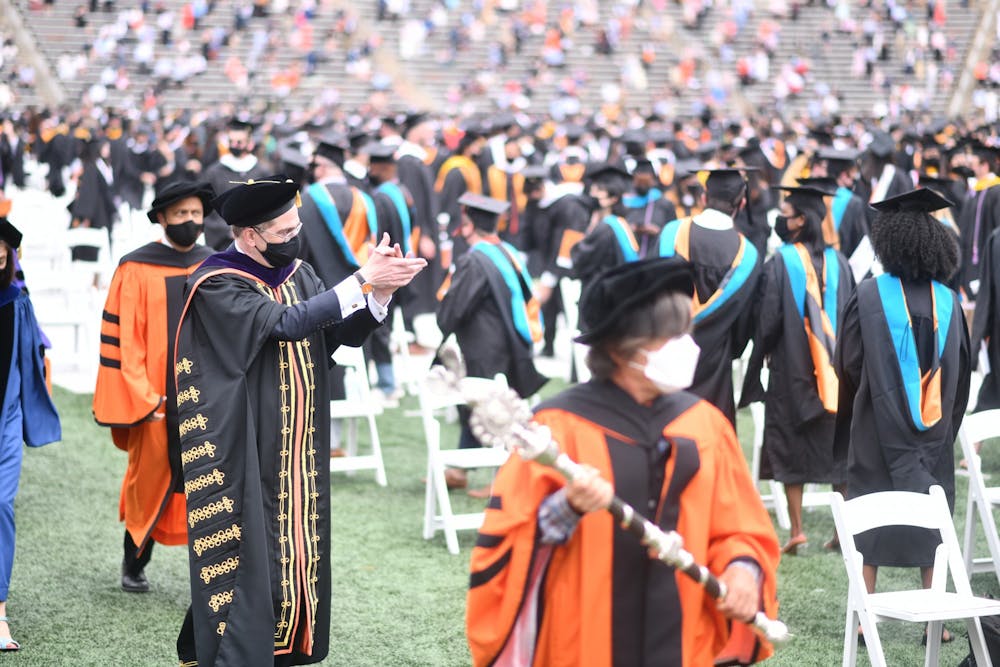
{"points": [[438, 514], [981, 498], [932, 605], [358, 405], [403, 362], [774, 500], [570, 291]]}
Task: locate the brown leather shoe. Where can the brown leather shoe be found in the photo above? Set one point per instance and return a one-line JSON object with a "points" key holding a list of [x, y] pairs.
{"points": [[481, 493], [337, 453], [455, 478]]}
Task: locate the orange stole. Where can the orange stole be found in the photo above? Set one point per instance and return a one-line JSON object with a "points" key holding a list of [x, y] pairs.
{"points": [[498, 190], [469, 170]]}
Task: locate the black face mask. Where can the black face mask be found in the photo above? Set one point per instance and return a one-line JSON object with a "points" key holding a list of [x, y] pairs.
{"points": [[185, 233], [311, 173], [237, 151], [781, 229], [281, 254], [641, 190]]}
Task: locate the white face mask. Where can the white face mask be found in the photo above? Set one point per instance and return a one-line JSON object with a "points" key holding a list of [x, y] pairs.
{"points": [[671, 367]]}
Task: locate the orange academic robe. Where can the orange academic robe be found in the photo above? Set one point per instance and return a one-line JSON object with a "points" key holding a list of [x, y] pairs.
{"points": [[138, 328], [597, 599]]}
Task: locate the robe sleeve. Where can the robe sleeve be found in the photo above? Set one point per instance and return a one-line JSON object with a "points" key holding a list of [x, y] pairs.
{"points": [[742, 330], [124, 395], [469, 286], [767, 328], [966, 356], [986, 300], [594, 253], [848, 358]]}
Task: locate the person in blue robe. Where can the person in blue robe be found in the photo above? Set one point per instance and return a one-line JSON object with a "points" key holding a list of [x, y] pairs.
{"points": [[27, 415]]}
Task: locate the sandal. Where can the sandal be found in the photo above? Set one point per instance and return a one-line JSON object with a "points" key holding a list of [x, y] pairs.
{"points": [[6, 643], [791, 547]]}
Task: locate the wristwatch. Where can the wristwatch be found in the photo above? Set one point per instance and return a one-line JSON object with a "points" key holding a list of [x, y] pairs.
{"points": [[366, 287]]}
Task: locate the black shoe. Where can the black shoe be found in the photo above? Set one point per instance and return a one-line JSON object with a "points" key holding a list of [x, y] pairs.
{"points": [[137, 583]]}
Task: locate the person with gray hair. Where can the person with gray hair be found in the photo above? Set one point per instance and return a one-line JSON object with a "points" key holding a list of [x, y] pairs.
{"points": [[636, 433]]}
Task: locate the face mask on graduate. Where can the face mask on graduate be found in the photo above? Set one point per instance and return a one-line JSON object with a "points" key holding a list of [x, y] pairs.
{"points": [[281, 254], [185, 233], [641, 190], [237, 151], [781, 228], [671, 367], [311, 173]]}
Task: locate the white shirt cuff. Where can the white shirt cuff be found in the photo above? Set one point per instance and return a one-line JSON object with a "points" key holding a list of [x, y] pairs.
{"points": [[352, 300]]}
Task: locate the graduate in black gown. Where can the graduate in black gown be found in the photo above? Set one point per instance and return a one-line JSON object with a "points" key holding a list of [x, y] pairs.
{"points": [[646, 209], [986, 324], [848, 213], [338, 221], [238, 165], [903, 361], [490, 309], [727, 267], [418, 178], [256, 334], [611, 239], [801, 297], [980, 215]]}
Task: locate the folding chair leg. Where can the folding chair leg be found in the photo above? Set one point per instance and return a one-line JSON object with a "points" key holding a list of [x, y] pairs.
{"points": [[780, 505], [978, 642], [850, 638], [992, 539], [443, 509], [380, 478], [932, 657], [873, 642], [968, 539], [430, 503]]}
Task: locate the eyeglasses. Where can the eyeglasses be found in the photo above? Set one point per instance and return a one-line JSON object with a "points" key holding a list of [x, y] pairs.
{"points": [[286, 236]]}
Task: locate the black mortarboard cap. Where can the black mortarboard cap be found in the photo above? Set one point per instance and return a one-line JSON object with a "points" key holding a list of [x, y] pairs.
{"points": [[294, 163], [686, 167], [237, 123], [825, 183], [9, 234], [643, 166], [332, 146], [706, 150], [726, 183], [921, 200], [535, 171], [838, 160], [357, 138], [806, 200], [574, 132], [822, 135], [882, 145], [985, 151], [257, 201], [482, 210], [628, 287], [182, 190], [379, 152], [413, 119]]}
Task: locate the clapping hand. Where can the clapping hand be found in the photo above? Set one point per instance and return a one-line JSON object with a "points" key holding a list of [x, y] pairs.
{"points": [[387, 269]]}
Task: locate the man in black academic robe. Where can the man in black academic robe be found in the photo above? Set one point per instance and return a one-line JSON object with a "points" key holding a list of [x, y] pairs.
{"points": [[986, 324], [979, 217], [418, 178], [333, 242], [256, 335], [646, 209], [726, 268], [494, 326], [238, 165]]}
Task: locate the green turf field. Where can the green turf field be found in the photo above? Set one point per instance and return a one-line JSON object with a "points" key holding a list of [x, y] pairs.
{"points": [[398, 600]]}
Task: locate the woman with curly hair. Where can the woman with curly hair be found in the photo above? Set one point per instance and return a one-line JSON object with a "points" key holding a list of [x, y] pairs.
{"points": [[903, 361]]}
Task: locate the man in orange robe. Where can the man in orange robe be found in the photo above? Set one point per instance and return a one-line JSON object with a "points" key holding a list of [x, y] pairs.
{"points": [[136, 395]]}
